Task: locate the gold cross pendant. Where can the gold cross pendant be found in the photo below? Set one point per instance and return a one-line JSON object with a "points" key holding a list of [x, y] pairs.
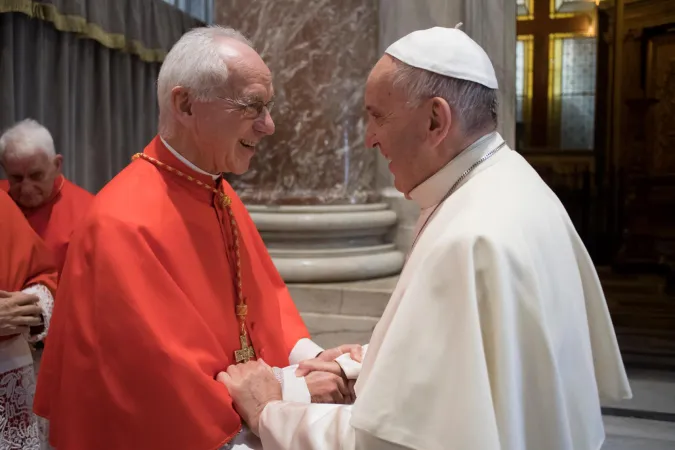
{"points": [[246, 353]]}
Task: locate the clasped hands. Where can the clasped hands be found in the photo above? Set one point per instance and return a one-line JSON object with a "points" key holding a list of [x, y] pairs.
{"points": [[325, 379], [18, 313], [252, 385]]}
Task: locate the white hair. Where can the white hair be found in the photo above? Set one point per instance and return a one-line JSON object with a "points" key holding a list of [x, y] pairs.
{"points": [[194, 63], [475, 104], [27, 138]]}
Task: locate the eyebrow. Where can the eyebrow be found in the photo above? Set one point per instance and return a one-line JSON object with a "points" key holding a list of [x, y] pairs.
{"points": [[254, 98]]}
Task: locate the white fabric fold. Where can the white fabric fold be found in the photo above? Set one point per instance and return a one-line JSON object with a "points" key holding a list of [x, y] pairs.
{"points": [[294, 388], [315, 427], [185, 161], [351, 368], [497, 335], [500, 322], [304, 349]]}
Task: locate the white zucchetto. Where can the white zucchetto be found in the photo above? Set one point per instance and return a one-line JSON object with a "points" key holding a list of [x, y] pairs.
{"points": [[446, 51]]}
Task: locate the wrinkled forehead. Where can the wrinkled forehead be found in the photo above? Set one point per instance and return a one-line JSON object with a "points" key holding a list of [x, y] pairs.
{"points": [[380, 85], [249, 76], [15, 162]]}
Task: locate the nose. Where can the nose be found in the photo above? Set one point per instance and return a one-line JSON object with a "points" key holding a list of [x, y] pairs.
{"points": [[24, 184], [265, 124]]}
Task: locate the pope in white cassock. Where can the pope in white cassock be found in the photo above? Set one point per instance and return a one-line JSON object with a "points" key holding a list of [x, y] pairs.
{"points": [[497, 335]]}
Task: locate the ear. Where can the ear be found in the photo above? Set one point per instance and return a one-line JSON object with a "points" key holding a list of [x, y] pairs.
{"points": [[181, 104], [440, 120], [58, 162]]}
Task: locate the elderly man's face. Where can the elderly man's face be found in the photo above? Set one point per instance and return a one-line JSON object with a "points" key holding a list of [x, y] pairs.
{"points": [[31, 178], [227, 129], [398, 131]]}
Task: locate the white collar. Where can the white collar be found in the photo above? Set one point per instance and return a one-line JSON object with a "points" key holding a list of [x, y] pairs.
{"points": [[432, 190], [182, 159]]}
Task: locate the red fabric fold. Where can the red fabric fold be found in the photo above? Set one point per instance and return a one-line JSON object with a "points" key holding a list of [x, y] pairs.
{"points": [[145, 316]]}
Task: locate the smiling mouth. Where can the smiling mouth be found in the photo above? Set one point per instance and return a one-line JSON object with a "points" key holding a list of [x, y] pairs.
{"points": [[247, 144]]}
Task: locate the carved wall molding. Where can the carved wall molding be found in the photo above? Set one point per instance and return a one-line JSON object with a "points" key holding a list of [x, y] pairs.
{"points": [[634, 34], [644, 13], [664, 161], [650, 13], [608, 37]]}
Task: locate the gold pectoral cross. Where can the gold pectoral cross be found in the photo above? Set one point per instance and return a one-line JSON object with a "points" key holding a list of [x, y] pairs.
{"points": [[246, 353]]}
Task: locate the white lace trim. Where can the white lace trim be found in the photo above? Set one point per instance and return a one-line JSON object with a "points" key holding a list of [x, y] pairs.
{"points": [[19, 428], [46, 302]]}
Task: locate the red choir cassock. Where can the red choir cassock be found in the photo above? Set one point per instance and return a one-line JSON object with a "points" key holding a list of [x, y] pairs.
{"points": [[145, 315], [24, 258], [55, 220]]}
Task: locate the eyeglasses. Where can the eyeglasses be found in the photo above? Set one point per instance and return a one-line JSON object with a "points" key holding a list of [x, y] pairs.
{"points": [[251, 110]]}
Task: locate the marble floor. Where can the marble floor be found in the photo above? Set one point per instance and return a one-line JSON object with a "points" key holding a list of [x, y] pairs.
{"points": [[654, 402], [653, 393], [624, 433]]}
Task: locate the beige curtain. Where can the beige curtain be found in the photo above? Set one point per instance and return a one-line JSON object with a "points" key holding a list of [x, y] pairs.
{"points": [[147, 28], [98, 101]]}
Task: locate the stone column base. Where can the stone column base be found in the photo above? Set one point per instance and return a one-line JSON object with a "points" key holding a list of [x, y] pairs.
{"points": [[329, 243]]}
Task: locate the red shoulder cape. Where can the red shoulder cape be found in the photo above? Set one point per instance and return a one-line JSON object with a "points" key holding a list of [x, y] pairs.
{"points": [[55, 220], [24, 258], [145, 317]]}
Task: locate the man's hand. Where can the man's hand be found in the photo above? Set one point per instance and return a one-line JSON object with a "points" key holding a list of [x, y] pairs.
{"points": [[326, 387], [316, 365], [252, 386], [325, 378], [355, 350], [325, 362], [18, 312]]}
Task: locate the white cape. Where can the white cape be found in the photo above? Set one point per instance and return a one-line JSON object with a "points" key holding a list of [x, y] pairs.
{"points": [[497, 335]]}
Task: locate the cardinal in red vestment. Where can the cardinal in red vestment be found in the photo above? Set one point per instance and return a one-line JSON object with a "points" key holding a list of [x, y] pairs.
{"points": [[27, 285], [167, 281], [52, 204]]}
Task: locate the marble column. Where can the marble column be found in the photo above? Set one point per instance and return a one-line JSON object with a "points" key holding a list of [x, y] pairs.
{"points": [[491, 23], [312, 188]]}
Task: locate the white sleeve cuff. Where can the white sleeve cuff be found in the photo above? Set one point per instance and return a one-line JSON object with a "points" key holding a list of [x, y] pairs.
{"points": [[351, 368], [294, 388], [46, 302], [304, 349]]}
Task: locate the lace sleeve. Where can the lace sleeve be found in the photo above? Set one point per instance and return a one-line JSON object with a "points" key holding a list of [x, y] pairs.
{"points": [[46, 302]]}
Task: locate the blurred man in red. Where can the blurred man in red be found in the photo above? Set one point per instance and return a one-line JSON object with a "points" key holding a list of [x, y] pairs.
{"points": [[27, 286], [52, 204]]}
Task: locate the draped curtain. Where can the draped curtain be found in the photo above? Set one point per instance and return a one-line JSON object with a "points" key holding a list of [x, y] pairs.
{"points": [[95, 92], [201, 9]]}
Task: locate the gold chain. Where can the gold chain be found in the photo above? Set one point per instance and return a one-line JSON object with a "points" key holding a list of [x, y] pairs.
{"points": [[225, 203]]}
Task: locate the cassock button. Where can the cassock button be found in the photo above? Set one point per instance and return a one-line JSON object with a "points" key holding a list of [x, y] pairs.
{"points": [[262, 352]]}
